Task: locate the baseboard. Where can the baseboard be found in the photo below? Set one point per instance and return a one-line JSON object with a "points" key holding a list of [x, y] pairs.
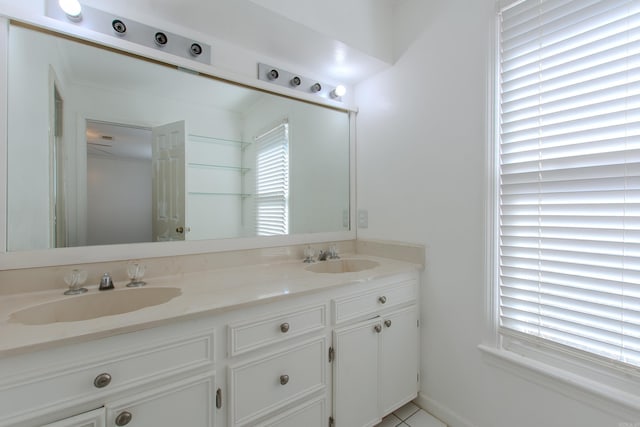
{"points": [[442, 412]]}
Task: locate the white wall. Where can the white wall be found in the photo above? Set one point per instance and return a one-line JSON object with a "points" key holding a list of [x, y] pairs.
{"points": [[119, 200], [363, 24], [422, 130]]}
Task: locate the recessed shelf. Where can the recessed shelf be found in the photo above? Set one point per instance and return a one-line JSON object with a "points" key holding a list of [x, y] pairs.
{"points": [[213, 140], [204, 193], [223, 167]]}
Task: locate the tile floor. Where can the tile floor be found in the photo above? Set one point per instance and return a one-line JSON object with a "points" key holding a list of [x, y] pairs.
{"points": [[410, 415]]}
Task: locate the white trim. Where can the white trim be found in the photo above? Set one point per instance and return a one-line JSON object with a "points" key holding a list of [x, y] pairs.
{"points": [[4, 99], [442, 412], [577, 387], [353, 208], [491, 335]]}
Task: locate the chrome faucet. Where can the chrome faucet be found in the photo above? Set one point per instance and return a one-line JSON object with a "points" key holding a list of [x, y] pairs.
{"points": [[106, 282], [331, 253], [322, 255]]}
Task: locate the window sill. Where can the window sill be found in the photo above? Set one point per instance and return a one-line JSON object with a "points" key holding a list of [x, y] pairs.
{"points": [[578, 387]]}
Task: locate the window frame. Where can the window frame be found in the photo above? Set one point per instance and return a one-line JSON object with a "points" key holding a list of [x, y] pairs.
{"points": [[287, 198], [589, 378]]}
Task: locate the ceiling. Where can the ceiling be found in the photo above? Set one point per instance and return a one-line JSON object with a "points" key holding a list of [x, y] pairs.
{"points": [[116, 140]]}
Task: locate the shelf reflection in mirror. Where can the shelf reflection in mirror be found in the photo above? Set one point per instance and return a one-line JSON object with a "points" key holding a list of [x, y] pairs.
{"points": [[86, 183]]}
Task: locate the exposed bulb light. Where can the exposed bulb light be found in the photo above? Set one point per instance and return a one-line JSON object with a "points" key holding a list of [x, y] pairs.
{"points": [[71, 8], [339, 91]]}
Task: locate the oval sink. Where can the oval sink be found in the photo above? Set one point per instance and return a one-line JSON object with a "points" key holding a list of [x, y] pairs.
{"points": [[91, 306], [342, 266]]}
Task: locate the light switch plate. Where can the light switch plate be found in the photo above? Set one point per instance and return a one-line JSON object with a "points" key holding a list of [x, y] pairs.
{"points": [[363, 218]]}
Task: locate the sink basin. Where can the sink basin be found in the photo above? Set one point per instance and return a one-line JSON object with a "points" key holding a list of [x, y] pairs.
{"points": [[342, 266], [91, 306]]}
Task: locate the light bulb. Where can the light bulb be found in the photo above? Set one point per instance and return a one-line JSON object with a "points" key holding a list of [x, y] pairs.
{"points": [[72, 8], [339, 91]]}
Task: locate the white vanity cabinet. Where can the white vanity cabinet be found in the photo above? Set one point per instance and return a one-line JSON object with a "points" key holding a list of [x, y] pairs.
{"points": [[347, 353], [277, 373], [376, 352], [164, 373]]}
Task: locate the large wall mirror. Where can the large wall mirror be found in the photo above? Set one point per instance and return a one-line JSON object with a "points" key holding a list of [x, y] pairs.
{"points": [[107, 148]]}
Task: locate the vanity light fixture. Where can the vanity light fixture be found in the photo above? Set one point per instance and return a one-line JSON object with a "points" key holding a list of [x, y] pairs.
{"points": [[195, 49], [100, 21], [289, 80], [161, 38], [118, 26], [273, 74], [72, 8], [338, 92]]}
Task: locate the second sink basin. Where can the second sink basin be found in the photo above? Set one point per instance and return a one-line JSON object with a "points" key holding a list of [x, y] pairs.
{"points": [[91, 306], [342, 266]]}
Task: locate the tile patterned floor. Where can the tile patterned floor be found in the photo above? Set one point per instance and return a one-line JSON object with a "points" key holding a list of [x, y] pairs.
{"points": [[410, 415]]}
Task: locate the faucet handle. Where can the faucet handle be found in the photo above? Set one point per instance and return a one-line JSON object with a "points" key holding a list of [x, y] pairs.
{"points": [[74, 279], [308, 255], [333, 252]]}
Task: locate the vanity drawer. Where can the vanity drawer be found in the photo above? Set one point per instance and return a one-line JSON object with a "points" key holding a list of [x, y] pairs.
{"points": [[370, 302], [258, 333], [310, 414], [86, 380], [263, 385]]}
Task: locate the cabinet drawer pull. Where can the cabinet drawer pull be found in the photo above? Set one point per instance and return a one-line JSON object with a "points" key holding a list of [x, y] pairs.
{"points": [[123, 418], [387, 323], [284, 328], [102, 380], [377, 328], [284, 379], [382, 299], [219, 398]]}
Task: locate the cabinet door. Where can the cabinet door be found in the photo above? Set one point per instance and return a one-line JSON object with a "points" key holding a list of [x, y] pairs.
{"points": [[398, 359], [185, 403], [355, 374], [88, 419]]}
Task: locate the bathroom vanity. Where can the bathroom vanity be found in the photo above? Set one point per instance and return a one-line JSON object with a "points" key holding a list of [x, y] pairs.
{"points": [[264, 345]]}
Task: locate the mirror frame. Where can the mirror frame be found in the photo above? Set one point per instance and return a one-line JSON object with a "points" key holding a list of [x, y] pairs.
{"points": [[117, 252]]}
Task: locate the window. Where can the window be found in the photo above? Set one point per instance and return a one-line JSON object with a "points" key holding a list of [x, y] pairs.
{"points": [[272, 181], [568, 232]]}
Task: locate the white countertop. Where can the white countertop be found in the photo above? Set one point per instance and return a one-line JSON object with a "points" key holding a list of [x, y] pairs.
{"points": [[203, 293]]}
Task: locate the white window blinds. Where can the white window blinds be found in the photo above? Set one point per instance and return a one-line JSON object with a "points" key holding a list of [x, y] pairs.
{"points": [[569, 175], [272, 182]]}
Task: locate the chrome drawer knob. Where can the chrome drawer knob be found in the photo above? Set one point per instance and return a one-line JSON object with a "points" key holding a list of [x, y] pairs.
{"points": [[377, 328], [284, 328], [102, 380], [284, 379], [382, 299], [123, 418], [387, 323]]}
